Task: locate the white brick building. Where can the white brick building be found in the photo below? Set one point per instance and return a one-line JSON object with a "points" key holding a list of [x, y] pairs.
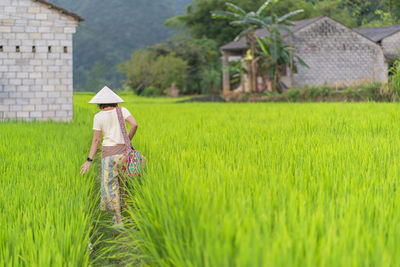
{"points": [[36, 71], [336, 55]]}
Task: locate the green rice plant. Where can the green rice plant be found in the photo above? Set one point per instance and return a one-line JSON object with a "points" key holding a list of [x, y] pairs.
{"points": [[266, 185], [225, 185], [47, 207]]}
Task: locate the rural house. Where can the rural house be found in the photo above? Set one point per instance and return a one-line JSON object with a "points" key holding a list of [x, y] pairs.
{"points": [[36, 71], [336, 55]]}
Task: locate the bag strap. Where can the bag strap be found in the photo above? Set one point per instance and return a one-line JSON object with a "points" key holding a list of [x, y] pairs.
{"points": [[123, 129]]}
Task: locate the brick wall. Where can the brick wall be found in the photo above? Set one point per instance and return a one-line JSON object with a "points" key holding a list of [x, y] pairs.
{"points": [[36, 75], [337, 56]]}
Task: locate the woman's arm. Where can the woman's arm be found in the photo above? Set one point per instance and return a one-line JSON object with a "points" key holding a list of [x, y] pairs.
{"points": [[95, 145], [132, 122]]}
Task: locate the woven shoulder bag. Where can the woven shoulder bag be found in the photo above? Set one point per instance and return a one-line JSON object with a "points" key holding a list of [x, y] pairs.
{"points": [[134, 160]]}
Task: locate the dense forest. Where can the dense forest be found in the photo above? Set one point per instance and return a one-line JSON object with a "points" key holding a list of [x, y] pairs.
{"points": [[112, 31]]}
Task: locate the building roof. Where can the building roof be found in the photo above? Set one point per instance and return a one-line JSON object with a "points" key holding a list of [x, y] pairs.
{"points": [[60, 9], [379, 33], [242, 44]]}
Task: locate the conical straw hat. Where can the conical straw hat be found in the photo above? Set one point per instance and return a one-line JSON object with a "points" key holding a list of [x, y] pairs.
{"points": [[106, 96]]}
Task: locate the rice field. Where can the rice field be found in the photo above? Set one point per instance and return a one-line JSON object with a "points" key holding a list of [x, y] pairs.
{"points": [[225, 185]]}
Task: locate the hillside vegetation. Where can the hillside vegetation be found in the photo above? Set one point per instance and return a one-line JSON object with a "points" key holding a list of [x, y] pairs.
{"points": [[112, 30]]}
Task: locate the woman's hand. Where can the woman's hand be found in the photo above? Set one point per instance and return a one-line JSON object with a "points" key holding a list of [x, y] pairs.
{"points": [[85, 167]]}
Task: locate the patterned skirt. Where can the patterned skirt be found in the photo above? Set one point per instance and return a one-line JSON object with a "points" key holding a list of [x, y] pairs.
{"points": [[112, 170]]}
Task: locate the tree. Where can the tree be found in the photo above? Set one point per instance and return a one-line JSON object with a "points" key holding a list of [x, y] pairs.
{"points": [[251, 21], [275, 56], [167, 70], [198, 22], [138, 70], [202, 57], [146, 69], [95, 77]]}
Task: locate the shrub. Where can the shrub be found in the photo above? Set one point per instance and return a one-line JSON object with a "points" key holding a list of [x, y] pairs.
{"points": [[371, 91], [150, 91], [146, 69], [293, 95], [314, 92], [394, 81]]}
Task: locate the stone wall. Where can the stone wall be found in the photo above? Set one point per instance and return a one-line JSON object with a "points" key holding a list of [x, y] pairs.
{"points": [[36, 71], [391, 46], [337, 56]]}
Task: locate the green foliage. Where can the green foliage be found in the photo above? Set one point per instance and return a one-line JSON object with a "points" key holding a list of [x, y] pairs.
{"points": [[199, 22], [147, 69], [95, 77], [211, 82], [274, 54], [48, 210], [293, 95], [150, 91], [236, 70], [202, 57], [352, 13], [366, 92], [167, 70], [374, 13], [266, 185], [394, 80], [371, 91], [113, 30]]}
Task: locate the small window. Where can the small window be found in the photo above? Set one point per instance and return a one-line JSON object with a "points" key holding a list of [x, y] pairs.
{"points": [[17, 49], [33, 49], [49, 49], [65, 49], [1, 48]]}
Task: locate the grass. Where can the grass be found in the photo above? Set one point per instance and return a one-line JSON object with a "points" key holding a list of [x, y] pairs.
{"points": [[47, 208], [268, 185], [225, 185]]}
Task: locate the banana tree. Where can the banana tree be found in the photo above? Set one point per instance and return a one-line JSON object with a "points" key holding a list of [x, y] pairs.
{"points": [[251, 21], [275, 55]]}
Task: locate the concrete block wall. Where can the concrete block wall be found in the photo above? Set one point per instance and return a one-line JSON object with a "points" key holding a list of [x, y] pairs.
{"points": [[391, 46], [36, 71], [337, 56]]}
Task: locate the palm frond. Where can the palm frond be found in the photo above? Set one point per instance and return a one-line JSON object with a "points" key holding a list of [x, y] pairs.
{"points": [[263, 8], [234, 8], [267, 20], [224, 15], [241, 22], [283, 28], [256, 21], [245, 33], [290, 14], [263, 45], [252, 14], [289, 22], [301, 62]]}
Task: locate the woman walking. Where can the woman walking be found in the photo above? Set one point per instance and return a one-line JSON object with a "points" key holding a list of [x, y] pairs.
{"points": [[113, 148]]}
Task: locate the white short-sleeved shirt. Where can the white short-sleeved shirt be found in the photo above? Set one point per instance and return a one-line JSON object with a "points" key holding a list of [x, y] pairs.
{"points": [[107, 122]]}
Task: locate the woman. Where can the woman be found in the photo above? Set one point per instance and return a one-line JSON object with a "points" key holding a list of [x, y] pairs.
{"points": [[113, 149]]}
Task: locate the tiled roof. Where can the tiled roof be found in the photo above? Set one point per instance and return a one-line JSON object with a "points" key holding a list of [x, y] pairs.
{"points": [[379, 33], [59, 9]]}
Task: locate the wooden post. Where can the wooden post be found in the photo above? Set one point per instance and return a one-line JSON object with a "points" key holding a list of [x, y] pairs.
{"points": [[225, 74]]}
